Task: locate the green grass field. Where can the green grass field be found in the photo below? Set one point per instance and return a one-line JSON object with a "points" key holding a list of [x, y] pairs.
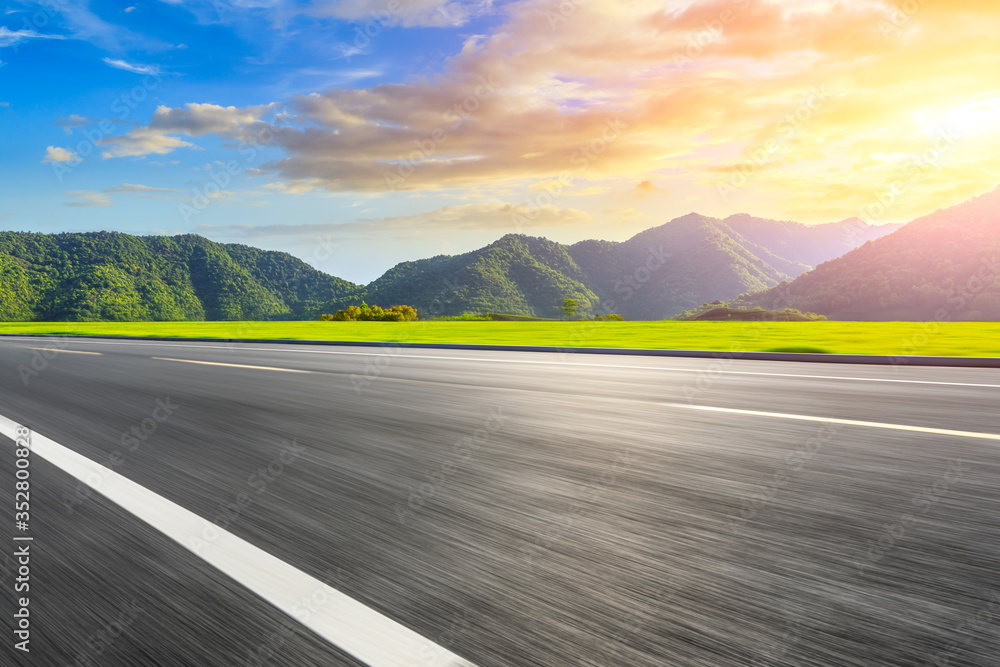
{"points": [[890, 338]]}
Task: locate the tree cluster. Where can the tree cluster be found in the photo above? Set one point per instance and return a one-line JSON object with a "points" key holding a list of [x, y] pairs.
{"points": [[366, 313]]}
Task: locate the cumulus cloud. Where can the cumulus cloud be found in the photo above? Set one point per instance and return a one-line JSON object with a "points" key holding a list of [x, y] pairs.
{"points": [[57, 154], [141, 141], [697, 93], [69, 123], [197, 120]]}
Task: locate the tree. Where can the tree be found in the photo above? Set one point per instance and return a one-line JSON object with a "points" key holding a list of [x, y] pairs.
{"points": [[569, 307]]}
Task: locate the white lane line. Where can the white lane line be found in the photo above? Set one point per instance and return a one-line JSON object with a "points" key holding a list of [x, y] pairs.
{"points": [[216, 363], [52, 349], [357, 629], [546, 363], [848, 422]]}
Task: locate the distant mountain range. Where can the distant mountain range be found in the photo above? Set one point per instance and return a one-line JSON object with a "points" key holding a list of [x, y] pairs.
{"points": [[943, 266], [655, 274]]}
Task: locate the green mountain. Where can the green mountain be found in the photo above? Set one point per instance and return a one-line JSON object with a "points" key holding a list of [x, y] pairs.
{"points": [[942, 266], [517, 274], [655, 274], [676, 266], [119, 277]]}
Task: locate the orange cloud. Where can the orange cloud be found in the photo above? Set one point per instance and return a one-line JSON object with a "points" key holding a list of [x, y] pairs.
{"points": [[773, 94]]}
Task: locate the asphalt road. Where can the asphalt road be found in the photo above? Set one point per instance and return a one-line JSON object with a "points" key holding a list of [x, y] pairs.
{"points": [[512, 508]]}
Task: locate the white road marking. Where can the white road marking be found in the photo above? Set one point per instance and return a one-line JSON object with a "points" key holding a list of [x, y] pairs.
{"points": [[547, 363], [52, 349], [216, 363], [848, 422], [357, 629]]}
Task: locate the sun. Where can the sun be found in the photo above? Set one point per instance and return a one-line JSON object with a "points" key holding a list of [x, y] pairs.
{"points": [[980, 115]]}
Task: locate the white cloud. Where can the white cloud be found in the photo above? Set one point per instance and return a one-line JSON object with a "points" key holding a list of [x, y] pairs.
{"points": [[129, 10], [57, 154], [153, 70], [141, 141], [88, 199], [10, 37], [199, 119], [4, 104]]}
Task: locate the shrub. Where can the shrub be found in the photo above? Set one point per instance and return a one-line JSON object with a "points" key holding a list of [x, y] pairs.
{"points": [[366, 313], [614, 317]]}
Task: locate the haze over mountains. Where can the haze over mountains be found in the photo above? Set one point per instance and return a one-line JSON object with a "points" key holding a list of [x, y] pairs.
{"points": [[653, 275], [943, 266]]}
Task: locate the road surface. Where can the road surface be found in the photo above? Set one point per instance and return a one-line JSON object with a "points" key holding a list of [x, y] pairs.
{"points": [[497, 508]]}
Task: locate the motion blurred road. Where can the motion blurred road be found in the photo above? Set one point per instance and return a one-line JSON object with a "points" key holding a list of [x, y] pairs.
{"points": [[513, 508]]}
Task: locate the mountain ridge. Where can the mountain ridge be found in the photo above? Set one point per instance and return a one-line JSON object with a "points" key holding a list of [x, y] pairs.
{"points": [[944, 265], [653, 275]]}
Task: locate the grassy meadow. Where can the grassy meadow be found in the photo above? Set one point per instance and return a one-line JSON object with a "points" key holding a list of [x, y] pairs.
{"points": [[888, 338]]}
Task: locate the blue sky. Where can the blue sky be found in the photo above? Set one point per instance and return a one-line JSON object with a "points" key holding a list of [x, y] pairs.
{"points": [[359, 134]]}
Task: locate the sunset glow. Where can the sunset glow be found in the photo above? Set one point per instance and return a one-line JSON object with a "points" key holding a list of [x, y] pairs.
{"points": [[400, 129]]}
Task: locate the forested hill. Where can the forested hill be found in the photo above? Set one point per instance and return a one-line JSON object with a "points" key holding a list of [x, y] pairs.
{"points": [[656, 274], [943, 266], [517, 274], [114, 276]]}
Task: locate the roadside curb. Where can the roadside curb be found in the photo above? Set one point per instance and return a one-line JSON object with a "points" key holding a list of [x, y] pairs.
{"points": [[883, 360]]}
